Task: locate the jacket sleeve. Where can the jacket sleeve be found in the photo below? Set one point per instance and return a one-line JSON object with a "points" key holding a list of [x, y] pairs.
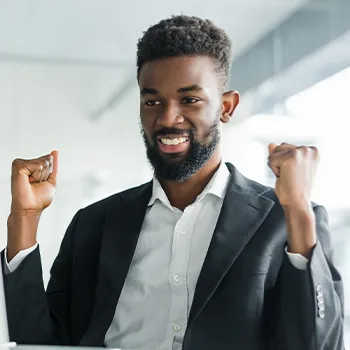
{"points": [[36, 316], [310, 303]]}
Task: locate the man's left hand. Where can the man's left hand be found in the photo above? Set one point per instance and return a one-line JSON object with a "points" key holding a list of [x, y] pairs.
{"points": [[295, 169]]}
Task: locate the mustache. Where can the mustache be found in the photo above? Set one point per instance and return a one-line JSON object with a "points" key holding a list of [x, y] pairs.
{"points": [[174, 131]]}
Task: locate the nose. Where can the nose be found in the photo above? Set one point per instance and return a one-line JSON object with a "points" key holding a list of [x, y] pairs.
{"points": [[169, 116]]}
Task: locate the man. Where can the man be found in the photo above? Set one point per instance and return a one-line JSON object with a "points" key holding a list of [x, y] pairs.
{"points": [[199, 258]]}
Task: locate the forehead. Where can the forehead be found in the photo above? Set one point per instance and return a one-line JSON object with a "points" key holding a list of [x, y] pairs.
{"points": [[172, 73]]}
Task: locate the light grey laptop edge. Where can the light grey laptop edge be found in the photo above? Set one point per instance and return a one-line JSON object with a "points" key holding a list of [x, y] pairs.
{"points": [[4, 332]]}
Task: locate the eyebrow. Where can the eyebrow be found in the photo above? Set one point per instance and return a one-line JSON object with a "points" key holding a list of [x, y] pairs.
{"points": [[148, 91], [151, 91], [190, 88]]}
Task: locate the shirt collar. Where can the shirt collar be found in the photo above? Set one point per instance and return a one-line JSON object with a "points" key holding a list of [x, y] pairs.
{"points": [[217, 186]]}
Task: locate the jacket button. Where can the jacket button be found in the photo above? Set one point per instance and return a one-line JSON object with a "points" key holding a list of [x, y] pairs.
{"points": [[321, 313]]}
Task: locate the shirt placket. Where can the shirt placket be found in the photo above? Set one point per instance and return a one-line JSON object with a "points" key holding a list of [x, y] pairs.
{"points": [[181, 249]]}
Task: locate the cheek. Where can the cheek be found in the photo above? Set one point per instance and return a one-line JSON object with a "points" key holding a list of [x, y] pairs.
{"points": [[146, 129], [200, 116], [206, 119], [148, 117]]}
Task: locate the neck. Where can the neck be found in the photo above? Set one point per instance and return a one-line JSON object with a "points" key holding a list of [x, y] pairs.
{"points": [[182, 194]]}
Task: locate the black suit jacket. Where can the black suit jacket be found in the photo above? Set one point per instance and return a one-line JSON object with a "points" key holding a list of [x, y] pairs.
{"points": [[248, 294]]}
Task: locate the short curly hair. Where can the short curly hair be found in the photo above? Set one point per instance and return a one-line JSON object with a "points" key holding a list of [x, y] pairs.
{"points": [[186, 36]]}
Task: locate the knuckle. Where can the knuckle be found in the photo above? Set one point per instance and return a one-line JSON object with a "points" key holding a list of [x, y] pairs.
{"points": [[314, 149], [45, 158], [300, 152], [316, 152], [49, 158], [16, 162], [295, 152]]}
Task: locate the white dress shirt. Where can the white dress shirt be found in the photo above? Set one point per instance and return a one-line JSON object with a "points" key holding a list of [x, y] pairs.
{"points": [[154, 305]]}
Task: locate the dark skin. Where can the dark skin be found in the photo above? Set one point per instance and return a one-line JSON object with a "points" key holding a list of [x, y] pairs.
{"points": [[184, 92]]}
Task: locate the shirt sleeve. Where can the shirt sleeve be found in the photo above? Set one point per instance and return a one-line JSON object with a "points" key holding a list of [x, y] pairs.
{"points": [[297, 260], [11, 266]]}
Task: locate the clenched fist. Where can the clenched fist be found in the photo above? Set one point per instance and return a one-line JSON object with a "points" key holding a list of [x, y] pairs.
{"points": [[33, 183], [33, 186], [295, 169]]}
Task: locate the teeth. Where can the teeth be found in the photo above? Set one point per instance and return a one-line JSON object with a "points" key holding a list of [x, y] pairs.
{"points": [[174, 141]]}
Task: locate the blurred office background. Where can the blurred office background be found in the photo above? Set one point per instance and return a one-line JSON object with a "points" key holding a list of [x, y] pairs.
{"points": [[67, 82]]}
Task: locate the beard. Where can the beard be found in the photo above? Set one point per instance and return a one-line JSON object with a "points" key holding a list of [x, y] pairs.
{"points": [[177, 167]]}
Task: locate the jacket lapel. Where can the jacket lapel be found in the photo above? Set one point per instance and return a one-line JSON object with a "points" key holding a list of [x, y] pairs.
{"points": [[242, 213], [121, 229]]}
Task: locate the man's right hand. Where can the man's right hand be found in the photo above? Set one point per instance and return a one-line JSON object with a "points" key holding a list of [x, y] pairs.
{"points": [[33, 186], [33, 183]]}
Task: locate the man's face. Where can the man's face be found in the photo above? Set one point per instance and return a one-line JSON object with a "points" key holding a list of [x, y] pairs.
{"points": [[180, 110]]}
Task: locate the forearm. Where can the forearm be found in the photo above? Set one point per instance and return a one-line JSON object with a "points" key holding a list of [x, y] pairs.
{"points": [[22, 231], [27, 306], [301, 230], [310, 302]]}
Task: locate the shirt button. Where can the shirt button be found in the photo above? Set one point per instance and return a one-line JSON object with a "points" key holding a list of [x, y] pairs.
{"points": [[182, 232], [177, 278], [177, 328]]}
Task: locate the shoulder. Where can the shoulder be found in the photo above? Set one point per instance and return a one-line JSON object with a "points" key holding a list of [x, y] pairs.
{"points": [[244, 183], [88, 223], [114, 200]]}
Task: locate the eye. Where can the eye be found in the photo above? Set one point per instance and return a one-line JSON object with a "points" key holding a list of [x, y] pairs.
{"points": [[189, 100], [152, 103]]}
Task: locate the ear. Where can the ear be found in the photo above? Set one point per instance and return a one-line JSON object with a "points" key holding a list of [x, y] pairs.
{"points": [[230, 101]]}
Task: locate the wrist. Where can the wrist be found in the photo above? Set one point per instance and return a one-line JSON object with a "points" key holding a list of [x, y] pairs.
{"points": [[301, 225], [17, 211], [301, 208], [22, 231]]}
